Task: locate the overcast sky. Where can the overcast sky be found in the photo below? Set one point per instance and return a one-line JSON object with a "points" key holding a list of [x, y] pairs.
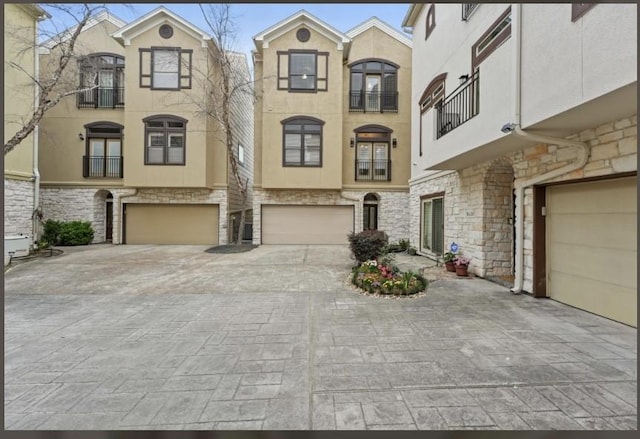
{"points": [[253, 18]]}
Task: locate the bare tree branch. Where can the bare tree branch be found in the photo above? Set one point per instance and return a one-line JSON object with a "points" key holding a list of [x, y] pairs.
{"points": [[50, 90]]}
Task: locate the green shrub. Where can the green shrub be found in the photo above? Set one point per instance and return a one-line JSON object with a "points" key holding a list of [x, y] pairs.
{"points": [[367, 245], [50, 233], [67, 233]]}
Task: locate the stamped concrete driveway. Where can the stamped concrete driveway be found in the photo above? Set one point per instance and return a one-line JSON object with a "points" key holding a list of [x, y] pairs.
{"points": [[147, 337]]}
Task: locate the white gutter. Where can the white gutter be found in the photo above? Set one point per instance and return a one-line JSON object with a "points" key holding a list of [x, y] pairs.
{"points": [[121, 225], [516, 25], [35, 214], [583, 157]]}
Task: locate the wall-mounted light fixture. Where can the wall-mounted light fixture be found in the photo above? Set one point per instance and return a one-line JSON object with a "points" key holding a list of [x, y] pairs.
{"points": [[80, 136], [352, 143], [463, 78], [394, 142]]}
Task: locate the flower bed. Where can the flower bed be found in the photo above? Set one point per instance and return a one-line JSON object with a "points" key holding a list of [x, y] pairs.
{"points": [[379, 278]]}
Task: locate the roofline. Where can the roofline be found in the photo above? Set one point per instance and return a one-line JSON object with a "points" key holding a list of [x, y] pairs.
{"points": [[91, 22], [383, 26], [35, 10], [412, 14], [120, 33], [260, 37]]}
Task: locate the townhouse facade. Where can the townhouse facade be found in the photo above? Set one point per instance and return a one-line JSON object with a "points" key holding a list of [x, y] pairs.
{"points": [[21, 190], [524, 146], [135, 151], [332, 133]]}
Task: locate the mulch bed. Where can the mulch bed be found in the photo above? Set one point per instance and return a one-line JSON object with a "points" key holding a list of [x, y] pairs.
{"points": [[231, 248]]}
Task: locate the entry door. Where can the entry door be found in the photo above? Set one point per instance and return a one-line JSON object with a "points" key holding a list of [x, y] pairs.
{"points": [[109, 223], [432, 239], [370, 217], [373, 92]]}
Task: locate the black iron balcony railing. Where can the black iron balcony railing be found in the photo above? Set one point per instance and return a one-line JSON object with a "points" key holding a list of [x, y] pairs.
{"points": [[467, 10], [105, 167], [373, 102], [460, 106], [373, 170], [101, 97]]}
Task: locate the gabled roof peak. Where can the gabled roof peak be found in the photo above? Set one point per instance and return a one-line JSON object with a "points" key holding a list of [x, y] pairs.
{"points": [[126, 33], [379, 24]]}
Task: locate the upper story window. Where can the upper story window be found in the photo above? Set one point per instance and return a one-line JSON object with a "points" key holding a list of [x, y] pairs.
{"points": [[497, 34], [241, 154], [430, 22], [433, 93], [101, 81], [468, 9], [303, 71], [302, 145], [165, 138], [165, 68], [103, 156], [579, 9], [374, 86]]}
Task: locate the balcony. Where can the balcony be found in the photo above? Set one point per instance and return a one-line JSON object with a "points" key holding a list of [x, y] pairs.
{"points": [[373, 102], [101, 97], [373, 170], [102, 167], [460, 106]]}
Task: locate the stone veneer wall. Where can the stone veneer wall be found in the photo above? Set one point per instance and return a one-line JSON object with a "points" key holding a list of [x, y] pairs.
{"points": [[392, 210], [18, 207], [70, 204], [614, 150], [476, 213]]}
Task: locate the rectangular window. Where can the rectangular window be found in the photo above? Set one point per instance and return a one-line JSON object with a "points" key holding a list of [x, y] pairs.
{"points": [[240, 154], [467, 10], [302, 144], [300, 71], [165, 139], [165, 68], [432, 230]]}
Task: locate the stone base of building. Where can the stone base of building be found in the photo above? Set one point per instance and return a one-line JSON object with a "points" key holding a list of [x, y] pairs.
{"points": [[18, 207], [84, 204], [392, 207], [479, 201]]}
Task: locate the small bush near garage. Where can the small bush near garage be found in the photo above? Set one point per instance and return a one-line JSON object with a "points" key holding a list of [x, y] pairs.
{"points": [[380, 277], [67, 233], [367, 245]]}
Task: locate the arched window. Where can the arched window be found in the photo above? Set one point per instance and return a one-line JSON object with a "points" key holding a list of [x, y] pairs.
{"points": [[101, 81], [374, 86], [373, 153], [433, 93], [165, 140], [302, 141]]}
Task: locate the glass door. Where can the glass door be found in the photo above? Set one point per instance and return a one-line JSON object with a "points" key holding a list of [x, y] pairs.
{"points": [[113, 158], [380, 160], [365, 150], [373, 93], [96, 157], [105, 89]]}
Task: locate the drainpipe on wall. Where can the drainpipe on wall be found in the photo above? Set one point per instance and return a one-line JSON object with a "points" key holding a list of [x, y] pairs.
{"points": [[133, 193], [35, 214], [583, 157]]}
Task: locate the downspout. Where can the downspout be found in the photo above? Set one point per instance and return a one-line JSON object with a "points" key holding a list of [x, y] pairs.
{"points": [[583, 157], [36, 214], [520, 186], [121, 225]]}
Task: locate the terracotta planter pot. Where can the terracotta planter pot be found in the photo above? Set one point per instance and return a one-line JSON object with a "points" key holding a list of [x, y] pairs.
{"points": [[461, 270], [450, 266]]}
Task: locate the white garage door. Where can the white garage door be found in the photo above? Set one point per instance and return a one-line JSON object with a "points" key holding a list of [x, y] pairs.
{"points": [[306, 224], [171, 224], [592, 251]]}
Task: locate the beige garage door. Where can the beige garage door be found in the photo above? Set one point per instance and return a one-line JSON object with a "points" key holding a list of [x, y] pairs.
{"points": [[171, 224], [591, 247], [306, 224]]}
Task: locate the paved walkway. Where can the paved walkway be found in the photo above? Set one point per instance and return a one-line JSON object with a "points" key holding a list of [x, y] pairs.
{"points": [[143, 337]]}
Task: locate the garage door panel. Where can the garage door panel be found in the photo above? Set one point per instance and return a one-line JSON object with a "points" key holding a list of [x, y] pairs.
{"points": [[592, 248], [571, 229], [306, 224], [610, 197], [603, 301], [195, 224], [596, 266]]}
